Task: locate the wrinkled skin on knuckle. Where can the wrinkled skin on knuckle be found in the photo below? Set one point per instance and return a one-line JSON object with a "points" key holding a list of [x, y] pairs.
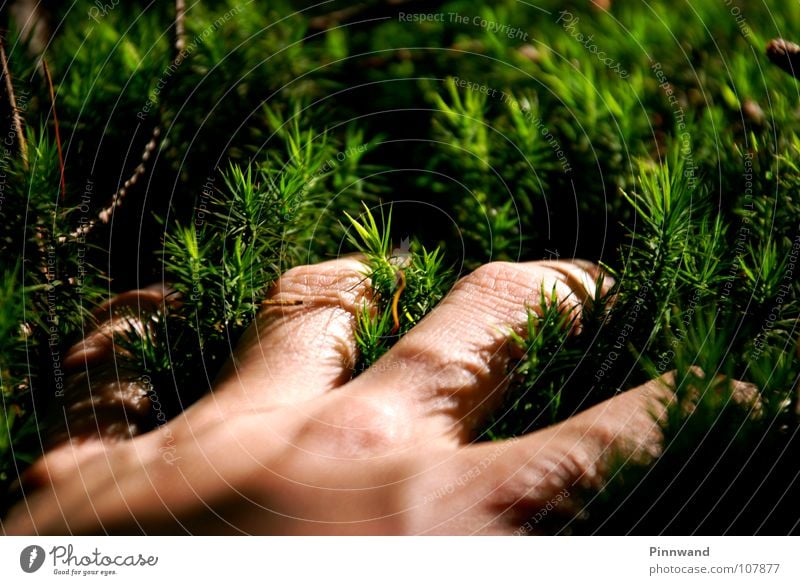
{"points": [[497, 288], [310, 322], [338, 283], [482, 308], [504, 289]]}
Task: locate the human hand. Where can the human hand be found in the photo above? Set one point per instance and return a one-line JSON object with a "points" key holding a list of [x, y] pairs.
{"points": [[287, 443]]}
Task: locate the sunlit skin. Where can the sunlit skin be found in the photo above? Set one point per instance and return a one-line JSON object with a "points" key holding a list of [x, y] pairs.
{"points": [[288, 443]]}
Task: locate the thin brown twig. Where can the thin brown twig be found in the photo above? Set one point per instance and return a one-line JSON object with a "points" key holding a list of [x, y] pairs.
{"points": [[58, 132], [396, 298], [119, 196], [104, 216], [281, 303], [180, 25], [12, 99]]}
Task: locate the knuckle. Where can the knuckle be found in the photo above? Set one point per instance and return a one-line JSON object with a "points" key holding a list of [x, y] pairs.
{"points": [[498, 288], [505, 287], [488, 276], [335, 282], [582, 277], [355, 431]]}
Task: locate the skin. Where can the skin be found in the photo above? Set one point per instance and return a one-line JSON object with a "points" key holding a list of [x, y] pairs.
{"points": [[287, 443]]}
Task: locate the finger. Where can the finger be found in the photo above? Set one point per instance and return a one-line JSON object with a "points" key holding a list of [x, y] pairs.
{"points": [[582, 277], [72, 492], [118, 315], [291, 353], [58, 464], [102, 401], [224, 482], [452, 368], [300, 346], [511, 487]]}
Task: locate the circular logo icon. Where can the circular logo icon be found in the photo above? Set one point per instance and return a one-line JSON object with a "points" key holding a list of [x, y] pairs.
{"points": [[31, 558]]}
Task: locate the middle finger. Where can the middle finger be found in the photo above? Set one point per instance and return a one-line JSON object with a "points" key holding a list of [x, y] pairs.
{"points": [[452, 368]]}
